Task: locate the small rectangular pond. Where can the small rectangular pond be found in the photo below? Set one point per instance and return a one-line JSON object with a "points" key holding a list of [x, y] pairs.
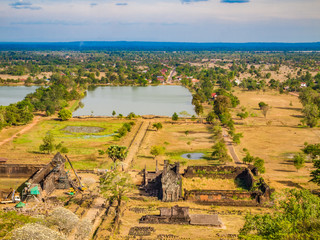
{"points": [[13, 94], [150, 100]]}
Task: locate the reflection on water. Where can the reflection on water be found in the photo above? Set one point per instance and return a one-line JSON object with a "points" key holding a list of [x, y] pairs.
{"points": [[15, 94], [194, 156], [155, 100]]}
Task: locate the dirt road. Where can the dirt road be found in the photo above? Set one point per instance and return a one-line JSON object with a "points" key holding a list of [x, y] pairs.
{"points": [[26, 128], [294, 94], [133, 149]]}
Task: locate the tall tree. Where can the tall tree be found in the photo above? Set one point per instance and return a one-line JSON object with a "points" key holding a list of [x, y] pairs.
{"points": [[315, 174], [115, 187], [48, 143], [157, 150], [65, 114], [298, 161], [175, 117], [116, 153], [311, 115], [157, 126]]}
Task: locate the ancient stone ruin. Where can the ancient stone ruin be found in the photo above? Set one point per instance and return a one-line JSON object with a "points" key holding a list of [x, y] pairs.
{"points": [[255, 193], [52, 176], [19, 170], [180, 215], [165, 184]]}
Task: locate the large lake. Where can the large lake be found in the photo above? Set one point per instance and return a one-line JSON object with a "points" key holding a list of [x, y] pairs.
{"points": [[155, 100], [10, 94]]}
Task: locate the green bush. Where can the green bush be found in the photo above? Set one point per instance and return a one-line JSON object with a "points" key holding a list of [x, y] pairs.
{"points": [[65, 114]]}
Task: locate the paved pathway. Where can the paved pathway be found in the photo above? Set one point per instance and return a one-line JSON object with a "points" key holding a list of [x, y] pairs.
{"points": [[230, 147], [169, 79], [26, 128], [134, 148], [95, 213]]}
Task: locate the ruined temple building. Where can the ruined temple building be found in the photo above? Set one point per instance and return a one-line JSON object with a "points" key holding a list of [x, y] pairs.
{"points": [[180, 215], [52, 176], [165, 184]]}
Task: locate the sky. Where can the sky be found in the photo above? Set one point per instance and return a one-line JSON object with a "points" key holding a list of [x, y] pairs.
{"points": [[160, 20]]}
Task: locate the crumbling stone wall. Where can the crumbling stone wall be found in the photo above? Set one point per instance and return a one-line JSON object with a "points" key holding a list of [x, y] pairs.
{"points": [[19, 170], [222, 197], [221, 172], [180, 215], [257, 192], [49, 176]]}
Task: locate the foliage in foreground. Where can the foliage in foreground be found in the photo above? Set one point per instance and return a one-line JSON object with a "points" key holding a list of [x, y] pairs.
{"points": [[296, 216], [116, 185], [58, 226], [36, 231], [63, 219], [11, 220]]}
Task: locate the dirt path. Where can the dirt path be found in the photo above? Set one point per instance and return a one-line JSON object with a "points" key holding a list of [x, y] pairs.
{"points": [[26, 128], [230, 147], [93, 215], [133, 149], [294, 94]]}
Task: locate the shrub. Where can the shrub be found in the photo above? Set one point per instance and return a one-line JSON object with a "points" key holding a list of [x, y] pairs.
{"points": [[63, 219], [36, 231], [262, 104], [64, 150], [65, 114], [175, 117]]}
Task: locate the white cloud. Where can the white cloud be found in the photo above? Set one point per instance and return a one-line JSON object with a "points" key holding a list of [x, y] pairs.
{"points": [[170, 13]]}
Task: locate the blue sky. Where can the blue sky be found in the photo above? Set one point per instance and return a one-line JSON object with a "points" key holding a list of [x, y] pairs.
{"points": [[160, 20]]}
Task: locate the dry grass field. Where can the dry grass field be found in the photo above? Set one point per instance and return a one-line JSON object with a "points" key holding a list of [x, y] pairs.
{"points": [[198, 183], [40, 76], [275, 138], [232, 218], [177, 138]]}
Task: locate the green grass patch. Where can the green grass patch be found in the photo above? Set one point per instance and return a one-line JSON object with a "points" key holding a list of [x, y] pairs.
{"points": [[58, 131], [23, 139], [83, 165], [74, 105], [77, 143], [12, 220]]}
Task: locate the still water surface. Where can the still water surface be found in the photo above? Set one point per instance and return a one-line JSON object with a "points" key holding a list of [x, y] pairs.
{"points": [[9, 94], [155, 100]]}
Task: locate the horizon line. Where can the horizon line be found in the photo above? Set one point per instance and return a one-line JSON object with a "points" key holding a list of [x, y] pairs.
{"points": [[146, 41]]}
